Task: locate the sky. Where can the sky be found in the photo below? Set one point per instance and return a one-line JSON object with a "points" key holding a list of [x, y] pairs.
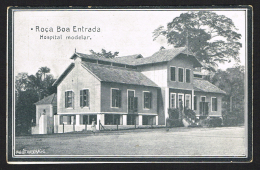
{"points": [[128, 32]]}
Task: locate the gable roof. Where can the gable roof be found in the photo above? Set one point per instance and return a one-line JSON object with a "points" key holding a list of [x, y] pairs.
{"points": [[164, 55], [205, 86], [118, 74], [64, 74], [51, 99]]}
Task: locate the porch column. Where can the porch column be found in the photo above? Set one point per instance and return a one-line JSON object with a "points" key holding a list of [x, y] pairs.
{"points": [[140, 119], [166, 104], [124, 119], [51, 110], [101, 118], [156, 120], [77, 119]]}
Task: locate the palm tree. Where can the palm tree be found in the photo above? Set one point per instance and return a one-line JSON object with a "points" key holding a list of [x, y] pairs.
{"points": [[43, 71]]}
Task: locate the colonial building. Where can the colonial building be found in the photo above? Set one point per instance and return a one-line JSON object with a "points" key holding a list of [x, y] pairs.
{"points": [[132, 90]]}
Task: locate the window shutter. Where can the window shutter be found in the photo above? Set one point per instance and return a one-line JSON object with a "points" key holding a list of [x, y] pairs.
{"points": [[206, 108], [135, 104], [150, 100], [216, 105], [201, 106], [87, 97], [65, 99], [119, 98], [81, 98], [113, 98], [72, 94]]}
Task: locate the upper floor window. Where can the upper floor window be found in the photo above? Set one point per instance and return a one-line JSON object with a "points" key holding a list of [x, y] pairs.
{"points": [[147, 100], [84, 98], [187, 75], [214, 104], [69, 99], [116, 98], [172, 73], [181, 74]]}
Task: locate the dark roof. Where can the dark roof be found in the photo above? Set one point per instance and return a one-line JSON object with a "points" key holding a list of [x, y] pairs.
{"points": [[164, 55], [64, 74], [118, 74], [51, 99], [205, 86], [129, 60]]}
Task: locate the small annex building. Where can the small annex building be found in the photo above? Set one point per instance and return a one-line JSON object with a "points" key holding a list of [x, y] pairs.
{"points": [[45, 111]]}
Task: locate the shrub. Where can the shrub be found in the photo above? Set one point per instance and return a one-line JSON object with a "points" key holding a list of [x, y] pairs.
{"points": [[173, 123], [173, 113], [211, 122]]}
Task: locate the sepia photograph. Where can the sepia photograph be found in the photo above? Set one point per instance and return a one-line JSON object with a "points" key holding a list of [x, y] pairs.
{"points": [[129, 84]]}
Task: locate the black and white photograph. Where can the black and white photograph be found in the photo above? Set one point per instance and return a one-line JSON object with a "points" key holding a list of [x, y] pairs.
{"points": [[129, 84]]}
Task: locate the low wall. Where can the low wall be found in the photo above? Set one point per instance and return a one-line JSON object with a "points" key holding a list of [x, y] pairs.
{"points": [[35, 130]]}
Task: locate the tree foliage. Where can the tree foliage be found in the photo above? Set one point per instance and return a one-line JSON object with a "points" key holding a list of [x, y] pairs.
{"points": [[211, 37], [28, 90], [232, 82], [105, 54]]}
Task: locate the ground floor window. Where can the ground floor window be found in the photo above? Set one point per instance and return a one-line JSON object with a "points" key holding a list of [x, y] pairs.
{"points": [[131, 119], [188, 101], [112, 119], [87, 119], [148, 120], [173, 100], [68, 119]]}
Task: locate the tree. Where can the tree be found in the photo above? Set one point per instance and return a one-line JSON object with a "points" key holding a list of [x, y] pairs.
{"points": [[43, 71], [28, 90], [105, 54], [232, 82], [211, 37]]}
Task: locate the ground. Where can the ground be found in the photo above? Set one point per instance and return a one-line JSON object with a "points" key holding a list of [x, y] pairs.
{"points": [[221, 141]]}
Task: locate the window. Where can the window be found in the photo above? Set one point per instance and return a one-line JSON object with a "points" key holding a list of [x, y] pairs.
{"points": [[69, 99], [187, 101], [84, 98], [195, 102], [116, 98], [187, 75], [112, 119], [173, 100], [214, 104], [180, 74], [172, 73], [203, 98], [147, 100]]}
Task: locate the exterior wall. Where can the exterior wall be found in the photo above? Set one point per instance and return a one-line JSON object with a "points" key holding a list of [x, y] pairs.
{"points": [[156, 72], [217, 113], [79, 78], [106, 98], [182, 63], [49, 118]]}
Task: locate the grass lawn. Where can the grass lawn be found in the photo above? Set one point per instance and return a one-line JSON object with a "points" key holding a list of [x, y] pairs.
{"points": [[222, 141]]}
